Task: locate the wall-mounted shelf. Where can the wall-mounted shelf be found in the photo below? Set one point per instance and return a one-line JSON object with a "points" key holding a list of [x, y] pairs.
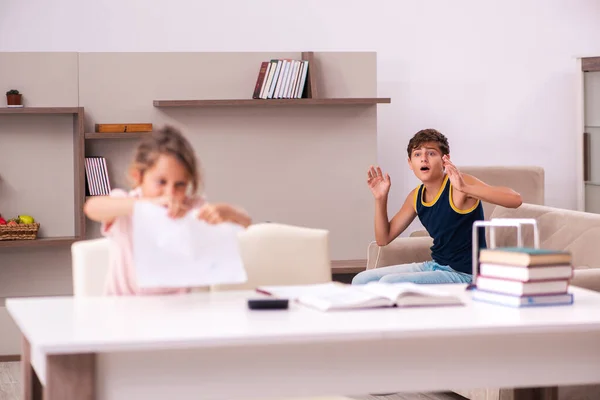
{"points": [[77, 113], [116, 135], [272, 102], [311, 96], [590, 64], [41, 110], [41, 242]]}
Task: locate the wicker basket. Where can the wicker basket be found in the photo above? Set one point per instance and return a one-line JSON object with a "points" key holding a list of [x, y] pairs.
{"points": [[19, 232]]}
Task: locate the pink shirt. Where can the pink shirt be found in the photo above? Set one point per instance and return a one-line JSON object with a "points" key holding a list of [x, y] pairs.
{"points": [[121, 280]]}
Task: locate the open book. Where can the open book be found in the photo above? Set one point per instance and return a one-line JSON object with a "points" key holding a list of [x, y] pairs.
{"points": [[337, 296]]}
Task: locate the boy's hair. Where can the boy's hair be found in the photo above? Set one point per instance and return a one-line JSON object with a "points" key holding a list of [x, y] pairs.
{"points": [[425, 136], [168, 141]]}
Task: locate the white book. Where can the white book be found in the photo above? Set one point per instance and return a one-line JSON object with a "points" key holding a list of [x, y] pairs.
{"points": [[521, 288], [281, 79], [293, 80], [523, 301], [525, 274], [336, 296], [271, 93], [302, 80], [263, 88], [272, 67], [297, 94]]}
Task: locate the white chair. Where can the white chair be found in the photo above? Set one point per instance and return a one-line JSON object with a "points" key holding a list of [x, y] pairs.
{"points": [[273, 254], [278, 254], [90, 266]]}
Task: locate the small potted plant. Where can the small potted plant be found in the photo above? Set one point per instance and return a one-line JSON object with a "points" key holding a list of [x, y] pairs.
{"points": [[14, 98]]}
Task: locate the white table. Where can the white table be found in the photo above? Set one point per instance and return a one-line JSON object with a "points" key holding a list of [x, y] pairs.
{"points": [[210, 346]]}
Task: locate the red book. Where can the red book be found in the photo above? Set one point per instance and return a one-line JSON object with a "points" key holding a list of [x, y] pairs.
{"points": [[261, 78]]}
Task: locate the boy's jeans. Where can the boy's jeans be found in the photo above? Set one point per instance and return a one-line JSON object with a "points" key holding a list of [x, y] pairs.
{"points": [[427, 272]]}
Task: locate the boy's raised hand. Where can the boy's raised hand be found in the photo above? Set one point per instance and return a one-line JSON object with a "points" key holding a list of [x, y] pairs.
{"points": [[378, 183], [456, 178]]}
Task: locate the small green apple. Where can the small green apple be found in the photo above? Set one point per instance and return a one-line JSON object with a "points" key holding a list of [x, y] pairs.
{"points": [[26, 219]]}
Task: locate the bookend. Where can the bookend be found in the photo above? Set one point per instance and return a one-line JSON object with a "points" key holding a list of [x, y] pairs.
{"points": [[500, 222]]}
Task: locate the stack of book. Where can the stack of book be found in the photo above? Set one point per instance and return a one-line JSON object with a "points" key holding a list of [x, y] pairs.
{"points": [[523, 277], [97, 182], [281, 79]]}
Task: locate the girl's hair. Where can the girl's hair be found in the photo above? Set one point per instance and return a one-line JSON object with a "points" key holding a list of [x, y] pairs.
{"points": [[167, 141]]}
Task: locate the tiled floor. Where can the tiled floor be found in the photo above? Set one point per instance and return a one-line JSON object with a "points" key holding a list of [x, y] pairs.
{"points": [[10, 388]]}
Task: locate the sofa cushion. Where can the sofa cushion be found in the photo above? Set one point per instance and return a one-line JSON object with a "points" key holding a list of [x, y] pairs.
{"points": [[528, 181], [560, 229]]}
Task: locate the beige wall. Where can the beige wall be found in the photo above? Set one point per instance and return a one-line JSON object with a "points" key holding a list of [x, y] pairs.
{"points": [[36, 177], [296, 165]]}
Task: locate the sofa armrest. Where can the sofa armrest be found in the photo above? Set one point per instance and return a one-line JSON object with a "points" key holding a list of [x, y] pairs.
{"points": [[587, 278], [403, 250]]}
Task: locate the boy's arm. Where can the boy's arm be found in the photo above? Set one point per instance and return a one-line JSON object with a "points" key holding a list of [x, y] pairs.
{"points": [[499, 195], [474, 188], [386, 231]]}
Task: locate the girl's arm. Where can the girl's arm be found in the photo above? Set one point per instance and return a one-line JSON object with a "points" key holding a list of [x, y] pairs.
{"points": [[239, 216], [222, 212], [106, 208]]}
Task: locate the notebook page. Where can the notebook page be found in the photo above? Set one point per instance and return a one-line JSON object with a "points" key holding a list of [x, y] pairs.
{"points": [[184, 252], [344, 297], [393, 291]]}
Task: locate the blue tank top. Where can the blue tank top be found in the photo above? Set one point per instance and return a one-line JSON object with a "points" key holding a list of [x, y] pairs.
{"points": [[450, 228]]}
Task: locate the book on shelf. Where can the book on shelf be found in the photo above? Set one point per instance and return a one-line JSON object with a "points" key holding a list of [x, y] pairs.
{"points": [[281, 79], [334, 296], [97, 182], [524, 277]]}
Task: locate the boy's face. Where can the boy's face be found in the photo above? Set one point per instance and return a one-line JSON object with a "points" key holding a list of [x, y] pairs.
{"points": [[426, 162]]}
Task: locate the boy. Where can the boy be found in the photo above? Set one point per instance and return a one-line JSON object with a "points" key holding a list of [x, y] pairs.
{"points": [[447, 203]]}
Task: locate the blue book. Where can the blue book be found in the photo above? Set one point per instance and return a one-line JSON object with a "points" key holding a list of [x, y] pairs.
{"points": [[523, 301]]}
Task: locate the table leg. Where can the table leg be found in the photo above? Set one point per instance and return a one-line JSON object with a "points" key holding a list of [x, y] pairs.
{"points": [[545, 393], [70, 377], [32, 388]]}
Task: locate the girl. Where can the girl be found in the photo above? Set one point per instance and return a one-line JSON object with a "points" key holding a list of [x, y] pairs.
{"points": [[165, 172]]}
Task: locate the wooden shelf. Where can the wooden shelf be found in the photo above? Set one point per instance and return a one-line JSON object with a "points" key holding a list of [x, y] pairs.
{"points": [[590, 64], [77, 114], [42, 242], [348, 266], [41, 110], [273, 102], [116, 135]]}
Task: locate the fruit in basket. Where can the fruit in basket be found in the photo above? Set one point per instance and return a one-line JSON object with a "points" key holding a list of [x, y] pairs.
{"points": [[26, 219], [12, 222], [2, 221]]}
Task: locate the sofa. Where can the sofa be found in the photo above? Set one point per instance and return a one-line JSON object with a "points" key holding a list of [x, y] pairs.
{"points": [[575, 231]]}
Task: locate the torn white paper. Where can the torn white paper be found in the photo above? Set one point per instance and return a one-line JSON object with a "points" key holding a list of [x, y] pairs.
{"points": [[184, 252]]}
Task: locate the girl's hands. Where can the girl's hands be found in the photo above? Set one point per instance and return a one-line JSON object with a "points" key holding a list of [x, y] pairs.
{"points": [[175, 208], [219, 212], [212, 213]]}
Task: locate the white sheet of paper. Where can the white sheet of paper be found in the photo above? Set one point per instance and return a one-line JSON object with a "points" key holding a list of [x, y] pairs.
{"points": [[184, 252]]}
